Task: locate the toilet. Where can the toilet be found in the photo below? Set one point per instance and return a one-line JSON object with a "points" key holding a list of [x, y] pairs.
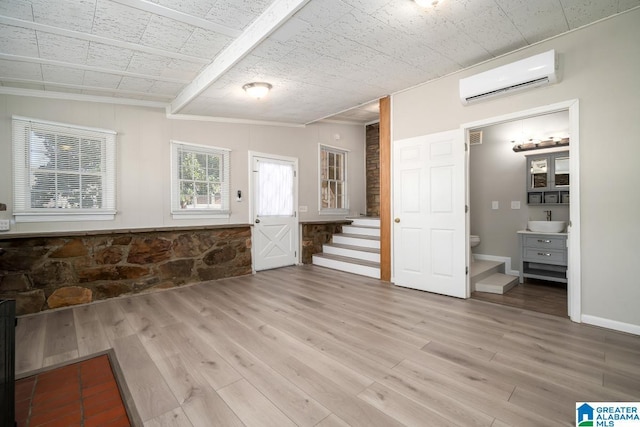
{"points": [[473, 242]]}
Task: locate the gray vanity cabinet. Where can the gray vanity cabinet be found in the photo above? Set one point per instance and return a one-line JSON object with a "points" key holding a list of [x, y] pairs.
{"points": [[548, 178], [543, 256]]}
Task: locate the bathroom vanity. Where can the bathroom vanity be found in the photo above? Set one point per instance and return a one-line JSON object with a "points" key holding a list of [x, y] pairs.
{"points": [[543, 256]]}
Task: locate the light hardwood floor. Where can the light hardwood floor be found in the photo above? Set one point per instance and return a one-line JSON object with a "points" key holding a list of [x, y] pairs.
{"points": [[309, 346]]}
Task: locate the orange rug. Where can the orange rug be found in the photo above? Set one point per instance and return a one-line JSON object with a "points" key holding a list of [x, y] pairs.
{"points": [[84, 394]]}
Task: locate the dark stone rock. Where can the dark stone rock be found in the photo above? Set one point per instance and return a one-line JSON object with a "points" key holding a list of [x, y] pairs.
{"points": [[21, 258], [181, 268], [14, 282], [110, 290], [108, 255], [53, 273], [131, 272], [219, 256], [70, 295], [145, 284], [212, 273], [70, 249], [27, 302], [149, 250], [189, 245], [121, 240], [98, 273]]}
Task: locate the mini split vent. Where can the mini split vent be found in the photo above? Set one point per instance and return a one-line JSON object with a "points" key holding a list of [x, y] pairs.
{"points": [[475, 137], [535, 71]]}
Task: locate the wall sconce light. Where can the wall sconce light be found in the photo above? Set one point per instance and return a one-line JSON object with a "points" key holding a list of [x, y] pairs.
{"points": [[257, 90], [536, 144]]}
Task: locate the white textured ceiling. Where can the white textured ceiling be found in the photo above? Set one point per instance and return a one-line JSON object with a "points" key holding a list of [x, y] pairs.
{"points": [[323, 57]]}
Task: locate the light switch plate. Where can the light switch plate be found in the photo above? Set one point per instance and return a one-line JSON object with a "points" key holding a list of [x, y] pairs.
{"points": [[303, 208], [515, 204], [495, 205], [5, 225]]}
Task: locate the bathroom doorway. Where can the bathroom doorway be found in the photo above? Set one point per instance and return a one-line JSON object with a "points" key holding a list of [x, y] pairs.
{"points": [[501, 206]]}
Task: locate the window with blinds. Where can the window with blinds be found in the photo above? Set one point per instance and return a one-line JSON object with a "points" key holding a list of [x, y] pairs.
{"points": [[333, 180], [200, 180], [62, 172]]}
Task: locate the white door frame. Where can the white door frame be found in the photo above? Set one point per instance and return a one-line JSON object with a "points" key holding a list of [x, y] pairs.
{"points": [[574, 285], [296, 230]]}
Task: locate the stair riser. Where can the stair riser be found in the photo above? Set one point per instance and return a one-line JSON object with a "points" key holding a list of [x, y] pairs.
{"points": [[365, 243], [347, 267], [351, 253], [495, 289], [485, 274], [349, 229]]}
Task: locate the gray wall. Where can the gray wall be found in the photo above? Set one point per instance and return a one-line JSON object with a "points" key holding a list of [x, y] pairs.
{"points": [[497, 173], [143, 159], [600, 66]]}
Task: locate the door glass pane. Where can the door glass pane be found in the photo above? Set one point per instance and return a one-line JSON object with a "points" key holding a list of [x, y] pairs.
{"points": [[539, 173], [275, 189], [561, 168]]}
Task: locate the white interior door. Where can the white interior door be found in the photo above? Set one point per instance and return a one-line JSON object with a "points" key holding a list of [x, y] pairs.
{"points": [[429, 234], [275, 231]]}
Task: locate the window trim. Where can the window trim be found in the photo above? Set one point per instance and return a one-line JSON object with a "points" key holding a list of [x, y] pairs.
{"points": [[21, 175], [208, 213], [333, 211]]}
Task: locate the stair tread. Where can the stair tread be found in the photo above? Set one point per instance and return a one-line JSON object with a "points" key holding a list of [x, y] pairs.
{"points": [[368, 227], [353, 247], [358, 236], [497, 279], [349, 260]]}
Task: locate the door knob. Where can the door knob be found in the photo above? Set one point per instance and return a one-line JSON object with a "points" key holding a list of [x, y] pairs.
{"points": [[397, 220], [257, 221]]}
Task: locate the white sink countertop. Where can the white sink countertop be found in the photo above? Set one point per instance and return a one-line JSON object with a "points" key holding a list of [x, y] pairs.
{"points": [[540, 232]]}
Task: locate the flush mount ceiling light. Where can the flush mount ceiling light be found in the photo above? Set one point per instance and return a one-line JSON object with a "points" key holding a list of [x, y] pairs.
{"points": [[257, 89], [428, 3]]}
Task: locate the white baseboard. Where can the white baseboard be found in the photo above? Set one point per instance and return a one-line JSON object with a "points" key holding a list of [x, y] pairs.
{"points": [[611, 324], [506, 260]]}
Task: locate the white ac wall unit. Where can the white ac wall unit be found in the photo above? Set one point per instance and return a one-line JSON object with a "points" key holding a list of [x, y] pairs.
{"points": [[537, 70]]}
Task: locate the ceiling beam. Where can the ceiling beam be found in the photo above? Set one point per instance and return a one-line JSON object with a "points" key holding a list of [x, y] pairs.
{"points": [[166, 97], [185, 18], [271, 19], [21, 23], [33, 60]]}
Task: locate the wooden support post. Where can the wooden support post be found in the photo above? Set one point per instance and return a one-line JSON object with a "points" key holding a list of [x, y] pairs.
{"points": [[385, 189]]}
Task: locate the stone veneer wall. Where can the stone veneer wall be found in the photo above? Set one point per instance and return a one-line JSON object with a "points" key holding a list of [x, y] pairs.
{"points": [[317, 233], [373, 169], [49, 272]]}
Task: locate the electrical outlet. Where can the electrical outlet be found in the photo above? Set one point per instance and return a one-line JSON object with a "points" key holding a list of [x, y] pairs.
{"points": [[515, 204], [495, 205], [5, 225]]}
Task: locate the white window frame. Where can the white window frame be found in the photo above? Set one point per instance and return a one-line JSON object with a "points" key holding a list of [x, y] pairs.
{"points": [[22, 173], [177, 212], [345, 153]]}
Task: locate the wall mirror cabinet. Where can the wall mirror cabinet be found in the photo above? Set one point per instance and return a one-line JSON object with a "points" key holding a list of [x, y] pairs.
{"points": [[548, 178]]}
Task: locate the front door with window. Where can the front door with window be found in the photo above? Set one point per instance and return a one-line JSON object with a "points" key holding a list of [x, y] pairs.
{"points": [[275, 231]]}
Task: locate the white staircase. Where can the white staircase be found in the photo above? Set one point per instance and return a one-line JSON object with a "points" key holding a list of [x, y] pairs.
{"points": [[355, 250], [488, 276]]}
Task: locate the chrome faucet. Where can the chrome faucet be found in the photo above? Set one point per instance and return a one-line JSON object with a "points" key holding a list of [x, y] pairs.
{"points": [[548, 215]]}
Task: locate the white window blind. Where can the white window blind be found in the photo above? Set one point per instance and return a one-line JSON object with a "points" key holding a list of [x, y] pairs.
{"points": [[62, 172], [200, 179], [333, 180]]}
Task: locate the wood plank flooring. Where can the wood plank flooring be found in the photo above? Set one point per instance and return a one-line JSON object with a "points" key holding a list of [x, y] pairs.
{"points": [[308, 346], [536, 295]]}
